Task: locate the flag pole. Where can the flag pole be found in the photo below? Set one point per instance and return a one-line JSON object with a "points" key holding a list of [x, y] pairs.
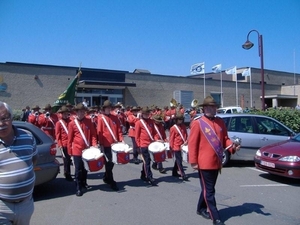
{"points": [[250, 89], [221, 89], [236, 89]]}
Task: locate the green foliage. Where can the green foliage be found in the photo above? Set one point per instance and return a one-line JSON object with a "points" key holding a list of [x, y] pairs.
{"points": [[289, 117], [17, 114]]}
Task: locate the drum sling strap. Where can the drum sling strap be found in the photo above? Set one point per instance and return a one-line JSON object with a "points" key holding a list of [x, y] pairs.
{"points": [[81, 132], [66, 130], [157, 130], [110, 130], [143, 122], [177, 128]]}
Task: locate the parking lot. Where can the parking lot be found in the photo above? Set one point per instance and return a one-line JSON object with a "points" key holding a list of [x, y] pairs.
{"points": [[244, 196]]}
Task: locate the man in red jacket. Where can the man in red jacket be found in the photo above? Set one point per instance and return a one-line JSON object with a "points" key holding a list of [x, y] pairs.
{"points": [[47, 121], [82, 134], [34, 116], [144, 135], [61, 133], [208, 138], [109, 132]]}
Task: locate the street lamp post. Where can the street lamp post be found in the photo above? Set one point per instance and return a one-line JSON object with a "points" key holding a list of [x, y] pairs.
{"points": [[247, 45]]}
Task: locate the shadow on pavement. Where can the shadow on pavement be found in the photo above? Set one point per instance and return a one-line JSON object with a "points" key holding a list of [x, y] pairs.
{"points": [[279, 179], [240, 210]]}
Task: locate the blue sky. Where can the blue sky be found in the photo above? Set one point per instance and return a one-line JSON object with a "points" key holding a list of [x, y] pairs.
{"points": [[162, 36]]}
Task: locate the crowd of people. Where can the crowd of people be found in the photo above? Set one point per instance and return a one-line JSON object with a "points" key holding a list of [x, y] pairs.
{"points": [[76, 128]]}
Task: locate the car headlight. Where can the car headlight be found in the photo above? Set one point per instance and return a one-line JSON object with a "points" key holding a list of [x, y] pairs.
{"points": [[291, 158], [258, 153]]}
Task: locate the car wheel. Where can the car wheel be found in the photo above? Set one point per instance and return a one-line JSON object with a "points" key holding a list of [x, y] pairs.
{"points": [[226, 158]]}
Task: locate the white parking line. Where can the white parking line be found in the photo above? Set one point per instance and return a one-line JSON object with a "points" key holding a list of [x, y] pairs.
{"points": [[250, 168], [265, 185]]}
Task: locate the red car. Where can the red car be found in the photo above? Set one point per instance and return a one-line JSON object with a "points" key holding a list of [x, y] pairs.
{"points": [[282, 158]]}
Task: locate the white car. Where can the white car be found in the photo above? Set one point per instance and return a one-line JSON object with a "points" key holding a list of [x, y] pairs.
{"points": [[230, 109]]}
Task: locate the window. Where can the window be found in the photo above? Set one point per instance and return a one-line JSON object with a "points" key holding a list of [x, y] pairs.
{"points": [[269, 126]]}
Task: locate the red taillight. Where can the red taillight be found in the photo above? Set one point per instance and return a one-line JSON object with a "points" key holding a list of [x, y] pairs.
{"points": [[53, 149]]}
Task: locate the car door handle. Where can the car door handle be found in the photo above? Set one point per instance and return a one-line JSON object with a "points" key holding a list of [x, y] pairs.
{"points": [[264, 139]]}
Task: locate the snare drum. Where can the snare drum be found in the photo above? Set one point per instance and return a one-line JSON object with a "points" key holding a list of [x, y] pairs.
{"points": [[157, 151], [185, 153], [93, 159], [120, 153]]}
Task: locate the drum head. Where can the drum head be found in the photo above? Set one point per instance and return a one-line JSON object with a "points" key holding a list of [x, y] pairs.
{"points": [[156, 146], [120, 147], [91, 153], [184, 148]]}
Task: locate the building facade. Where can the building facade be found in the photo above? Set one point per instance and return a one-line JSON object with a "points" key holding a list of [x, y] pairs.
{"points": [[23, 84]]}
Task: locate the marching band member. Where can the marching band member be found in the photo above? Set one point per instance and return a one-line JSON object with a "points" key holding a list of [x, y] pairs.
{"points": [[208, 138], [47, 121], [82, 135], [178, 137], [132, 119], [61, 133], [34, 116], [121, 116], [160, 136], [144, 135], [109, 132]]}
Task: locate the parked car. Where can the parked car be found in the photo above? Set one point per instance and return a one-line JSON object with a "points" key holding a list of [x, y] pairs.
{"points": [[47, 166], [230, 109], [255, 132], [282, 159]]}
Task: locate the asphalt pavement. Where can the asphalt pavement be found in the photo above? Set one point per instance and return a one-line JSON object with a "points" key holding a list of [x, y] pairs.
{"points": [[244, 196]]}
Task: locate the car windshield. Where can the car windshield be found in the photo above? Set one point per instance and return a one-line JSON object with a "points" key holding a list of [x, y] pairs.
{"points": [[296, 138]]}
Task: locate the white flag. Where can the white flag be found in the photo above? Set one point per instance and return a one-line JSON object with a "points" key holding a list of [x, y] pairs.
{"points": [[198, 68], [246, 72], [217, 68], [231, 70]]}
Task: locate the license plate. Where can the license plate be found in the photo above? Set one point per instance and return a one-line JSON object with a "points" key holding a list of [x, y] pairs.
{"points": [[268, 164]]}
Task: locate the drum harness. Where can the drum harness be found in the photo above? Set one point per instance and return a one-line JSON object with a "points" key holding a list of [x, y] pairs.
{"points": [[152, 139], [66, 130]]}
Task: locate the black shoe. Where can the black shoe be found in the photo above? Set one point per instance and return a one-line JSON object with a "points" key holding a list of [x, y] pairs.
{"points": [[114, 186], [162, 171], [144, 178], [152, 182], [105, 180], [154, 166], [175, 175], [185, 178], [86, 186], [218, 222], [78, 193], [69, 178], [204, 214]]}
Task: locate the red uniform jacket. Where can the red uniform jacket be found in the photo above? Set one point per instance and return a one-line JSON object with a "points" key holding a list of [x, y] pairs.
{"points": [[200, 150], [104, 135], [132, 119], [142, 137], [175, 139], [76, 143], [48, 124], [161, 131], [33, 119], [60, 132]]}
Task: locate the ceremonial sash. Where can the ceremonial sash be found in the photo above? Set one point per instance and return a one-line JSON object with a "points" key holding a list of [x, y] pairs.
{"points": [[212, 138]]}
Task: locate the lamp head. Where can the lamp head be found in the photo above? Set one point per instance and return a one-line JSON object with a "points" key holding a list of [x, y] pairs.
{"points": [[248, 44]]}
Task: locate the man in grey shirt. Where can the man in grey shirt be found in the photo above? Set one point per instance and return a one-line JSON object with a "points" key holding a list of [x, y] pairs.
{"points": [[18, 155]]}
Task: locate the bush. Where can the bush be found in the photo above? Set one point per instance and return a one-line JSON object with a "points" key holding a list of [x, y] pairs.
{"points": [[17, 114], [289, 117]]}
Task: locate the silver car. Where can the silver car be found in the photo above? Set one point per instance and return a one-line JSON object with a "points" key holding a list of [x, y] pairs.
{"points": [[47, 166], [255, 132]]}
